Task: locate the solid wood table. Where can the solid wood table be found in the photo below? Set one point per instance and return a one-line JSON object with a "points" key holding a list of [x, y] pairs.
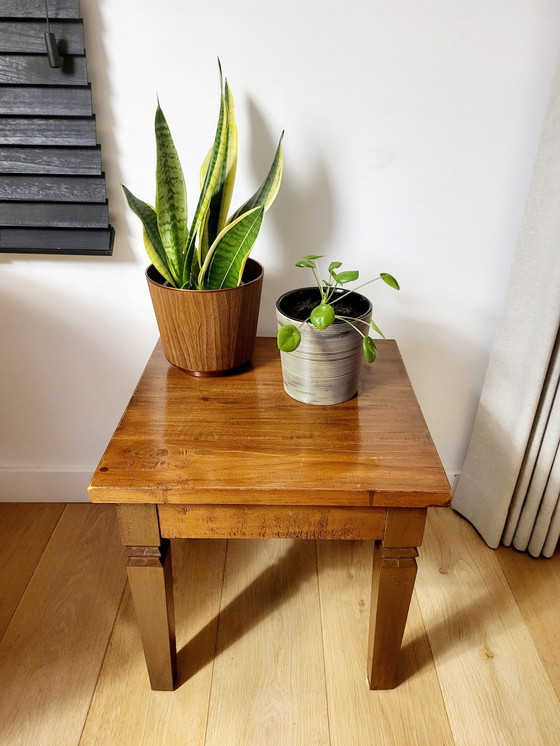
{"points": [[236, 457]]}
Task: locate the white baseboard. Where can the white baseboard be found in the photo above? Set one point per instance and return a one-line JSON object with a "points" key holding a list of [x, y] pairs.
{"points": [[37, 485], [453, 477]]}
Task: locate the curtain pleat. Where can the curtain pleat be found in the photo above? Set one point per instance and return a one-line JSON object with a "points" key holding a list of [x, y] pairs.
{"points": [[510, 484], [536, 494]]}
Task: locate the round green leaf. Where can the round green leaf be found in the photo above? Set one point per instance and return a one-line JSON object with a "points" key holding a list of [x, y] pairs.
{"points": [[305, 263], [322, 316], [333, 266], [390, 280], [369, 349], [288, 338]]}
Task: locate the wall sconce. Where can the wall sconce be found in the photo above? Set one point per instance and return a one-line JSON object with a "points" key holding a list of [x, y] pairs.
{"points": [[55, 60]]}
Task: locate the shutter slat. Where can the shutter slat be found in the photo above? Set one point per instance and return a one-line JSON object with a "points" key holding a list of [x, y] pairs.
{"points": [[31, 131], [28, 36], [56, 240], [53, 215], [52, 188], [47, 101], [36, 8], [50, 160], [23, 69]]}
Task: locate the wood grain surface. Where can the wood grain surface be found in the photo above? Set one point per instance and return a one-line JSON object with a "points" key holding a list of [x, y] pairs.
{"points": [[57, 240], [28, 36], [54, 215], [269, 522], [414, 713], [59, 632], [34, 69], [480, 643], [47, 131], [197, 346], [270, 590], [46, 101], [22, 524], [36, 8], [52, 188], [479, 650], [47, 160], [241, 439]]}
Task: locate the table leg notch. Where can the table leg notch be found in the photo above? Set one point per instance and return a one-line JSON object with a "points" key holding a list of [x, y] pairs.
{"points": [[147, 556]]}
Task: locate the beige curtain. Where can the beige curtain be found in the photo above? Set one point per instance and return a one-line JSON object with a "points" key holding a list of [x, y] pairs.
{"points": [[510, 484]]}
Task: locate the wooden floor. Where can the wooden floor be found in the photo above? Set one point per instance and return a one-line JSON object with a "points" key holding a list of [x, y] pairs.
{"points": [[272, 638]]}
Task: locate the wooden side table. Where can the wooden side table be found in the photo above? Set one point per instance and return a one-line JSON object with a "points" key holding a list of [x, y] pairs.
{"points": [[236, 457]]}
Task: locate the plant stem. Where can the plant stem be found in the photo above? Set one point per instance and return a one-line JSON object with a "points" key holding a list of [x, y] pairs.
{"points": [[358, 288], [344, 318], [347, 319]]}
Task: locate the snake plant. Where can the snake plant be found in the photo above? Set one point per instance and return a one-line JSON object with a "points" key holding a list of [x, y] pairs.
{"points": [[209, 253]]}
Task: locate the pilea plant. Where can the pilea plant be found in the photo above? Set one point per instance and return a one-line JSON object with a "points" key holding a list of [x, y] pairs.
{"points": [[211, 252], [325, 312]]}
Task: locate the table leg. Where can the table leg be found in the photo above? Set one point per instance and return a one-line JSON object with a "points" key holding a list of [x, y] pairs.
{"points": [[151, 583], [394, 573]]}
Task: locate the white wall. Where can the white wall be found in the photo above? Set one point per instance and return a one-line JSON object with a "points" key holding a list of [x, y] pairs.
{"points": [[411, 129]]}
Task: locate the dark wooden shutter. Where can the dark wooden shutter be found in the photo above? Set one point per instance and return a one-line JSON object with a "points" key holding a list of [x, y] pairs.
{"points": [[52, 187]]}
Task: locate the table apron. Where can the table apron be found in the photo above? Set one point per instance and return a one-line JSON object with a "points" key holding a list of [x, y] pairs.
{"points": [[270, 522]]}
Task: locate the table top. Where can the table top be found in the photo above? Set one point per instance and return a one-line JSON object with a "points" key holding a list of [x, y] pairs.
{"points": [[240, 439]]}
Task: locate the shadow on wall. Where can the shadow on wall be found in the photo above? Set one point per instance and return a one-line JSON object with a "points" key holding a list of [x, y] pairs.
{"points": [[446, 371], [62, 385], [302, 216]]}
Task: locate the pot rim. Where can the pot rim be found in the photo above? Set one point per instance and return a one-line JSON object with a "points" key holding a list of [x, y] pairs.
{"points": [[315, 289], [259, 276]]}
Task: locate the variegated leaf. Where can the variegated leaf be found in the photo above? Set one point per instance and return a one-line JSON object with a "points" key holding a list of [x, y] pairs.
{"points": [[171, 195], [268, 190], [152, 239], [228, 254], [212, 175]]}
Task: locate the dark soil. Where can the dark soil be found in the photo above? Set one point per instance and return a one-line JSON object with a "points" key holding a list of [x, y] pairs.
{"points": [[298, 304]]}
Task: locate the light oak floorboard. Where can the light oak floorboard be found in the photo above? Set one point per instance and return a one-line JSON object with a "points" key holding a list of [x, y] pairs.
{"points": [[125, 711], [413, 713], [25, 529], [53, 648], [535, 584], [494, 684], [269, 681]]}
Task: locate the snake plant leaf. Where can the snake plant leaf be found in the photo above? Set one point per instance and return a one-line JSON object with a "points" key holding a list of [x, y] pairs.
{"points": [[216, 217], [376, 328], [156, 261], [171, 195], [390, 280], [152, 238], [229, 168], [268, 190], [213, 172], [369, 349], [288, 338], [228, 254]]}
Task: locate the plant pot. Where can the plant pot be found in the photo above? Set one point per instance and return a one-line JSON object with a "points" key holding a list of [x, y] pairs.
{"points": [[325, 368], [208, 332]]}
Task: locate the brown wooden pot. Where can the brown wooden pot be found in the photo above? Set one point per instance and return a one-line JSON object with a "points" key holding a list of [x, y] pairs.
{"points": [[208, 332]]}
